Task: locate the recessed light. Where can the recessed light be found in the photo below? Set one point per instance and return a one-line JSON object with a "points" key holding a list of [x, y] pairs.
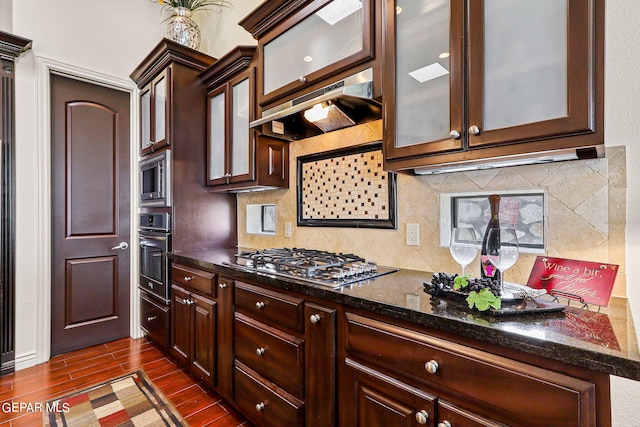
{"points": [[307, 58], [444, 55], [398, 10]]}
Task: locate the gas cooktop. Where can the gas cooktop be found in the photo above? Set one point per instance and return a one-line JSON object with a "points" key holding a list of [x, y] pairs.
{"points": [[315, 266]]}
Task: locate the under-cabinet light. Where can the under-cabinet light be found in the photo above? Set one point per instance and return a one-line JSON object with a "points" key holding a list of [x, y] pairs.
{"points": [[317, 112], [429, 72]]}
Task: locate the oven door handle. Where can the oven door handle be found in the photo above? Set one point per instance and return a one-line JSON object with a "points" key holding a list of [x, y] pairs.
{"points": [[122, 245]]}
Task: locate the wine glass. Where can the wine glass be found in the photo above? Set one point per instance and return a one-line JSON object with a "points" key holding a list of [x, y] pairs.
{"points": [[503, 250], [463, 245]]}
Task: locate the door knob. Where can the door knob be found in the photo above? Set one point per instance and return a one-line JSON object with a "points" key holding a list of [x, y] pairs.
{"points": [[122, 245]]}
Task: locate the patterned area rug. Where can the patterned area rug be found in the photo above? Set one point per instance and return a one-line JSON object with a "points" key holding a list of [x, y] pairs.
{"points": [[131, 400]]}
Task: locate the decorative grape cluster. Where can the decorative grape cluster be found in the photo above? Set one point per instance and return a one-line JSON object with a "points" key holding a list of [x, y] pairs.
{"points": [[444, 282]]}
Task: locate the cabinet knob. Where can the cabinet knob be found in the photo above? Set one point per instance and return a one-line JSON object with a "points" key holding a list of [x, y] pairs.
{"points": [[222, 285], [454, 134], [150, 318], [260, 407], [188, 278], [422, 417], [474, 130], [445, 423], [150, 284], [260, 305], [302, 79], [431, 366], [260, 351], [314, 318]]}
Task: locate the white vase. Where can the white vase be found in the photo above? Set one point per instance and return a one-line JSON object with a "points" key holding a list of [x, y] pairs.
{"points": [[182, 29]]}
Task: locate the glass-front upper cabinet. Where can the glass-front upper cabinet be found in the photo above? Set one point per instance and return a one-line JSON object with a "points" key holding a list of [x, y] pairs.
{"points": [[319, 40], [492, 79], [232, 147], [154, 98]]}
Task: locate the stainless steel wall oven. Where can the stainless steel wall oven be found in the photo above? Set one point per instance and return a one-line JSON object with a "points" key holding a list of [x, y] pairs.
{"points": [[154, 235]]}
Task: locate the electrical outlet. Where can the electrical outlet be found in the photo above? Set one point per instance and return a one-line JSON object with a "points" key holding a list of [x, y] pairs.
{"points": [[413, 301], [287, 229], [413, 234]]}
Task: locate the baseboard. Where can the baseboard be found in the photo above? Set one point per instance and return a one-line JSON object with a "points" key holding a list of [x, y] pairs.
{"points": [[26, 360]]}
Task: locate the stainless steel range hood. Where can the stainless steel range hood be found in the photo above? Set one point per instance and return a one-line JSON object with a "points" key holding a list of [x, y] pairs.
{"points": [[346, 103]]}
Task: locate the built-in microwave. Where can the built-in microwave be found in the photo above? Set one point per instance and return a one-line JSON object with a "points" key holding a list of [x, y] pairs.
{"points": [[155, 179]]}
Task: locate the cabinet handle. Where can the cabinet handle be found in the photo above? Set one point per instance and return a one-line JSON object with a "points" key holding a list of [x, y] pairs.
{"points": [[422, 417], [260, 351], [150, 284], [455, 134], [260, 407], [314, 318], [222, 285], [445, 423], [260, 305], [431, 366], [151, 318], [302, 79], [474, 130], [188, 278]]}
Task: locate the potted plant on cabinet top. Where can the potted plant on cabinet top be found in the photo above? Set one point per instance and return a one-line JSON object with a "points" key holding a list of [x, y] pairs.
{"points": [[180, 27]]}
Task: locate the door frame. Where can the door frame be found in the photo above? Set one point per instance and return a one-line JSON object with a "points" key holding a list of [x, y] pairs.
{"points": [[42, 251]]}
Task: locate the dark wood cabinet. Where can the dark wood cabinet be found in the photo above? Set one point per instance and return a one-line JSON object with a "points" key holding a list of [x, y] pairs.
{"points": [[155, 319], [318, 40], [194, 321], [410, 369], [469, 83], [237, 158], [285, 349], [155, 126], [193, 332], [226, 351]]}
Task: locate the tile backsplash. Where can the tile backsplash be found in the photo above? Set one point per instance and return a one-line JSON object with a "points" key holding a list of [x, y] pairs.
{"points": [[586, 211]]}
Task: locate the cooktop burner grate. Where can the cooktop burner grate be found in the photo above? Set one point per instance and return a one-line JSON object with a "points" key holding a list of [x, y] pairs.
{"points": [[316, 266]]}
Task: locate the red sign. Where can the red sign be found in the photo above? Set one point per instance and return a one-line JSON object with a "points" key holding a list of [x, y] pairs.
{"points": [[589, 282]]}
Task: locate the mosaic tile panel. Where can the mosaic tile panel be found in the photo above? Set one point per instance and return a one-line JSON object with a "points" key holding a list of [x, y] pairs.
{"points": [[346, 187]]}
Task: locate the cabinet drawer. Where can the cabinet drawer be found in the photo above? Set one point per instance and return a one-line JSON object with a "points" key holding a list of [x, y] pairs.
{"points": [[193, 278], [271, 307], [507, 386], [277, 356], [263, 403], [154, 319]]}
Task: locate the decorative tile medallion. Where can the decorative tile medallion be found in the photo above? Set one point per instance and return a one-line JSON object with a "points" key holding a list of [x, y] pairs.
{"points": [[346, 188]]}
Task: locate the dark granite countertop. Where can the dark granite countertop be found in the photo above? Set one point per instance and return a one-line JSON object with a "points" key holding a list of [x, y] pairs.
{"points": [[601, 341]]}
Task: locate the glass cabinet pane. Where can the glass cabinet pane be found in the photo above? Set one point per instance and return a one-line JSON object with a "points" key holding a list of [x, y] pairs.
{"points": [[217, 136], [160, 94], [145, 119], [240, 124], [525, 68], [331, 34], [422, 71]]}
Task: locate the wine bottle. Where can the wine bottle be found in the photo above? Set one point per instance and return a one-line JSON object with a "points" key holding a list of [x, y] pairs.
{"points": [[491, 243]]}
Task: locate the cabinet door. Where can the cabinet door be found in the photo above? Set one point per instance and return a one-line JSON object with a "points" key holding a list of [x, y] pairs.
{"points": [[217, 151], [325, 38], [180, 325], [530, 69], [242, 138], [225, 348], [204, 338], [423, 79], [155, 126], [372, 399], [451, 415], [320, 365]]}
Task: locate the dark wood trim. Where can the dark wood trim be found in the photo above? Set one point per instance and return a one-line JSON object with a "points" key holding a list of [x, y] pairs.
{"points": [[165, 53], [233, 62], [12, 46], [270, 13]]}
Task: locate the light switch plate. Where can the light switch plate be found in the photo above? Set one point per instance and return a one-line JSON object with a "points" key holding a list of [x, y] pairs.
{"points": [[287, 229]]}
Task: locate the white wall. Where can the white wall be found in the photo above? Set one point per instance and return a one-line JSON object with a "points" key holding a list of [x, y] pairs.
{"points": [[113, 37]]}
